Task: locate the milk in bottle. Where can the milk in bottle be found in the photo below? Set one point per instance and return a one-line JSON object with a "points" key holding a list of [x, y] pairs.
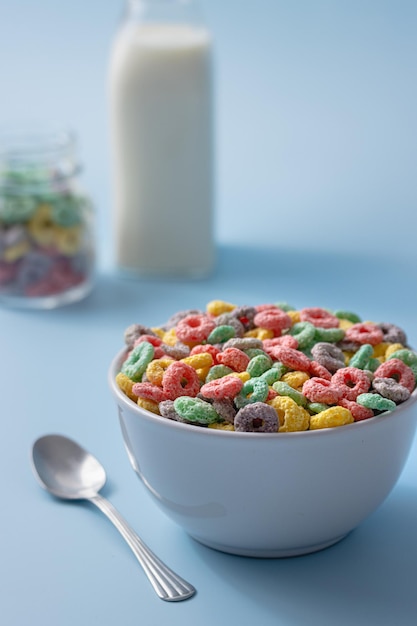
{"points": [[161, 118]]}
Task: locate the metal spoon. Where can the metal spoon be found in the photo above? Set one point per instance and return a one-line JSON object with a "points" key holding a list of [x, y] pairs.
{"points": [[68, 471]]}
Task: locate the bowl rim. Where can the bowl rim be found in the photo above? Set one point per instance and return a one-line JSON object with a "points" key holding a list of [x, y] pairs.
{"points": [[323, 432]]}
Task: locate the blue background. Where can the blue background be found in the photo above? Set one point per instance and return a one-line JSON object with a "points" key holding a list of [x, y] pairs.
{"points": [[316, 205]]}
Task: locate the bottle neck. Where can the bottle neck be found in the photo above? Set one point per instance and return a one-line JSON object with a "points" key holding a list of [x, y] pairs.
{"points": [[165, 11]]}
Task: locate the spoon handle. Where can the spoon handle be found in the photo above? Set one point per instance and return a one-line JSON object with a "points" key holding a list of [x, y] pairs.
{"points": [[167, 584]]}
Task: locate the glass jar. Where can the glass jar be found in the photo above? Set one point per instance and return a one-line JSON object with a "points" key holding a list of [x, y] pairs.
{"points": [[46, 232], [162, 139]]}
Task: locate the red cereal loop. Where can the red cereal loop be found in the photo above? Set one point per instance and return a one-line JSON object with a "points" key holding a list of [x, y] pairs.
{"points": [[220, 388], [352, 381], [194, 328], [321, 390], [271, 394], [234, 358], [201, 348], [264, 307], [155, 341], [319, 317], [180, 379], [317, 369], [358, 411], [402, 373], [365, 332], [149, 391], [273, 319], [287, 341], [291, 358]]}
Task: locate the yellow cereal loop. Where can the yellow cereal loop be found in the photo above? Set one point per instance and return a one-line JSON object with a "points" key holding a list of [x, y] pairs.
{"points": [[334, 416], [202, 373], [292, 417], [149, 405], [13, 253], [294, 315], [345, 324], [217, 307], [244, 376], [170, 337], [156, 370], [380, 350], [68, 240], [393, 347], [125, 384], [260, 333], [221, 426], [41, 226], [160, 332], [295, 379], [199, 361], [348, 356]]}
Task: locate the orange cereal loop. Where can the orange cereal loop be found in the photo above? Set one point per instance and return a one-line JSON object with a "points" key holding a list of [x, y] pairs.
{"points": [[260, 333], [149, 405], [125, 384], [218, 307], [156, 369], [170, 337], [295, 379], [295, 316]]}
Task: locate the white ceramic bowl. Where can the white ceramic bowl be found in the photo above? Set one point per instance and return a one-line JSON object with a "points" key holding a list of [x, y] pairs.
{"points": [[266, 495]]}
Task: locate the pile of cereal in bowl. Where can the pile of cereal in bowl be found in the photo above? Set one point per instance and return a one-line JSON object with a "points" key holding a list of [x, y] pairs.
{"points": [[267, 368]]}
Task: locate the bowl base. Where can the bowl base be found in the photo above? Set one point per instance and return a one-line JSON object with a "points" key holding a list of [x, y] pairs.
{"points": [[269, 553]]}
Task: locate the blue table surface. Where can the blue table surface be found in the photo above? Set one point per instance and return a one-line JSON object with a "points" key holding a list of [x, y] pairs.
{"points": [[316, 205]]}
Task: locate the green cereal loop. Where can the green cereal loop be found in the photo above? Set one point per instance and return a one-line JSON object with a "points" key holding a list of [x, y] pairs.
{"points": [[196, 410], [348, 315], [307, 350], [304, 333], [135, 365], [218, 371], [252, 352], [271, 375], [372, 365], [329, 335], [253, 390], [221, 334], [259, 365], [17, 209], [375, 401], [406, 356], [67, 211], [284, 306], [361, 358], [280, 367], [283, 389], [317, 407]]}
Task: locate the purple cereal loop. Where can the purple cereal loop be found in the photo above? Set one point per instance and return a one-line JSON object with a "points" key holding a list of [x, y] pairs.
{"points": [[178, 351], [243, 343], [177, 317], [257, 417], [225, 408], [246, 313], [389, 388], [348, 346], [392, 333], [134, 331], [328, 355]]}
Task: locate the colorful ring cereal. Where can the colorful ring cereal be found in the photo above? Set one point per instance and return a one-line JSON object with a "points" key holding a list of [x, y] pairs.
{"points": [[273, 319], [319, 317], [149, 392], [358, 411], [351, 381], [393, 333], [304, 333], [389, 388], [195, 410], [180, 379], [194, 328], [291, 358], [284, 389], [365, 332], [375, 401], [256, 418], [138, 360], [406, 356], [220, 388], [361, 358], [328, 355], [331, 418], [292, 417], [253, 390], [322, 390], [156, 369], [234, 358], [395, 368]]}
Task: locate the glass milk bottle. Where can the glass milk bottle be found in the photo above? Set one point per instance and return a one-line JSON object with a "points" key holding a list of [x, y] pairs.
{"points": [[161, 123]]}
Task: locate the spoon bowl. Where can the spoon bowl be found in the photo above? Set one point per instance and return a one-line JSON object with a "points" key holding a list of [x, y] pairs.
{"points": [[67, 471]]}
